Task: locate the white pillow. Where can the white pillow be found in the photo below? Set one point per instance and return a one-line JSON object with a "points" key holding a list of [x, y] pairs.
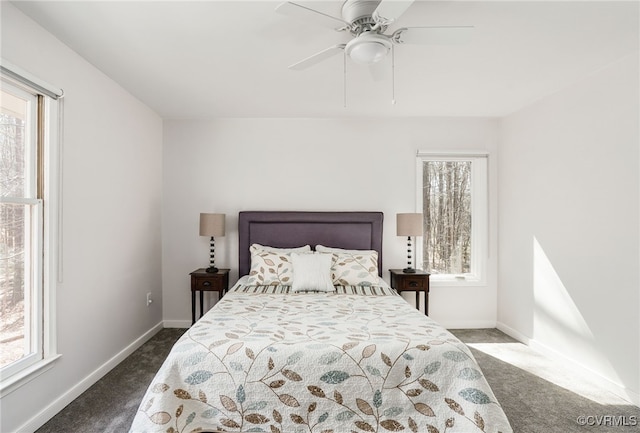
{"points": [[303, 248], [311, 272]]}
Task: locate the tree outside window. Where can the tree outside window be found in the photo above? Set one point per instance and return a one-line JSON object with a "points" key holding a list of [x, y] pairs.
{"points": [[20, 231], [453, 201], [447, 225]]}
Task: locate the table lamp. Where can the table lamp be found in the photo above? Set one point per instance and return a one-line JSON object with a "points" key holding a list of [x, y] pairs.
{"points": [[212, 224], [409, 224]]}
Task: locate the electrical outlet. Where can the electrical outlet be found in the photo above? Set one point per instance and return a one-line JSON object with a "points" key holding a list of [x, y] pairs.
{"points": [[149, 300]]}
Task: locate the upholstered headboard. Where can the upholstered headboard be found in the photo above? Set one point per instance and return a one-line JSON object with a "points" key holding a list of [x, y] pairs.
{"points": [[348, 230]]}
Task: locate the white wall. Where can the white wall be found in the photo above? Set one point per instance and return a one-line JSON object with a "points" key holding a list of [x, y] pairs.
{"points": [[229, 165], [569, 236], [568, 225], [111, 198]]}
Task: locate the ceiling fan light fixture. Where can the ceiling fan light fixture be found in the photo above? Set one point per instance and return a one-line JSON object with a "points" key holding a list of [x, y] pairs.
{"points": [[368, 48]]}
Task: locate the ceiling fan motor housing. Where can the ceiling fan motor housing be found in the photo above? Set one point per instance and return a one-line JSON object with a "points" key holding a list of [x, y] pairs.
{"points": [[359, 13]]}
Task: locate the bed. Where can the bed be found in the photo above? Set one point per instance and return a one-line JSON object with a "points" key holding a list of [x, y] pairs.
{"points": [[356, 358]]}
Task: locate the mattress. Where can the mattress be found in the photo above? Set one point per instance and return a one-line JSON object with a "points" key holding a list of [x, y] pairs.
{"points": [[355, 360]]}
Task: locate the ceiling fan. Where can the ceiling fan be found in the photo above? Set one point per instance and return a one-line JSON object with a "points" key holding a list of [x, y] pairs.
{"points": [[367, 20]]}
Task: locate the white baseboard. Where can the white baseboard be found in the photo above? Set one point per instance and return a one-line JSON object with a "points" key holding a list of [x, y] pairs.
{"points": [[473, 324], [74, 392], [606, 383], [616, 388], [513, 333], [177, 323]]}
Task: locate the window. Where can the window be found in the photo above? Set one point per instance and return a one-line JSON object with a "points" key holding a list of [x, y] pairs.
{"points": [[21, 216], [28, 125], [453, 200]]}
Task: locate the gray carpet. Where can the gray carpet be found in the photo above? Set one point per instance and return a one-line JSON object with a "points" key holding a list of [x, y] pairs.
{"points": [[526, 386], [110, 405]]}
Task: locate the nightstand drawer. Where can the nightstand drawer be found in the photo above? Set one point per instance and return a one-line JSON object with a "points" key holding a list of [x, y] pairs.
{"points": [[412, 283], [214, 283]]}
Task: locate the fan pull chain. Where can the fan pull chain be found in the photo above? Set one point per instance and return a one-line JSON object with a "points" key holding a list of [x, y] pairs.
{"points": [[393, 76], [344, 81]]}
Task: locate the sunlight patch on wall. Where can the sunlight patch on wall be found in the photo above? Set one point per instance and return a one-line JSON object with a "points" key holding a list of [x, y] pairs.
{"points": [[556, 315], [559, 328]]}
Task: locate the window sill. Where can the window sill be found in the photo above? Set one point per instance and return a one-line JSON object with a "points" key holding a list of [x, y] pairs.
{"points": [[10, 384], [456, 282]]}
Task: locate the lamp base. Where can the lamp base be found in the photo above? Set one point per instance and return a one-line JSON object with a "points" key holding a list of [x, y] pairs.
{"points": [[409, 270], [212, 270]]}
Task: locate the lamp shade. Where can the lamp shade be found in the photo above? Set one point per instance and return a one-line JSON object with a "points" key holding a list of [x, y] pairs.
{"points": [[212, 224], [409, 224]]}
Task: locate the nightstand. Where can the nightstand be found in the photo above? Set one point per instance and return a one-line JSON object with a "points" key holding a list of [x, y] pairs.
{"points": [[414, 282], [203, 281]]}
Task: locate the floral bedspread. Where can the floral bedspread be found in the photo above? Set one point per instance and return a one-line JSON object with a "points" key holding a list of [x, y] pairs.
{"points": [[318, 363]]}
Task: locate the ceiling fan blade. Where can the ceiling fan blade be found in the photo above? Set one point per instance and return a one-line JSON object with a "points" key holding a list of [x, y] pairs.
{"points": [[390, 10], [433, 35], [318, 57], [311, 15]]}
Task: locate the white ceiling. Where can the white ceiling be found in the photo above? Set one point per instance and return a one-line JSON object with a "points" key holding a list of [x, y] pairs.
{"points": [[208, 59]]}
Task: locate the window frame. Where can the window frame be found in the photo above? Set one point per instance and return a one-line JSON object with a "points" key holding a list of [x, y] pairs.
{"points": [[32, 233], [44, 197], [479, 210]]}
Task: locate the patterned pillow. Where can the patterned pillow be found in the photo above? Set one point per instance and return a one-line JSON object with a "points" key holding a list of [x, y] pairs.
{"points": [[323, 249], [355, 268], [304, 248], [270, 268]]}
